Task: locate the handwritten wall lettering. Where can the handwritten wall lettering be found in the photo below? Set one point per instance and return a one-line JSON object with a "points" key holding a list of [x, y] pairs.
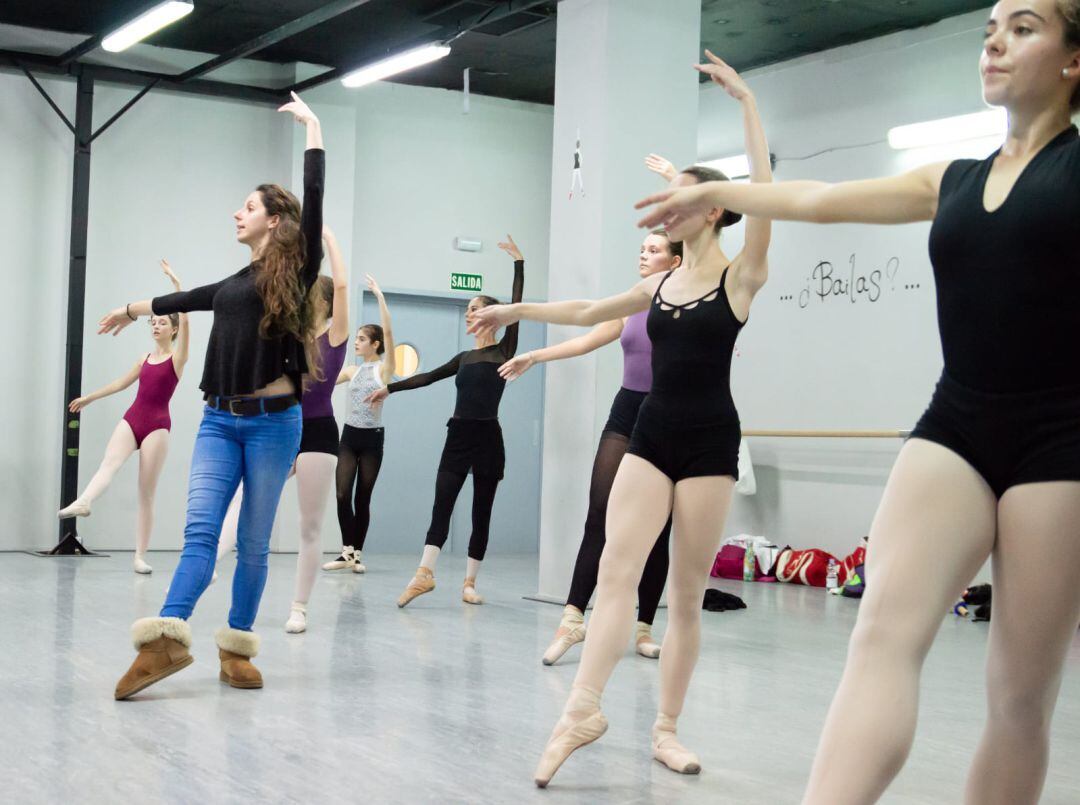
{"points": [[828, 282]]}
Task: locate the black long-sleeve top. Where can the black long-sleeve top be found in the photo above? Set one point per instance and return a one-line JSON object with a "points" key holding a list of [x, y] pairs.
{"points": [[238, 360], [476, 371]]}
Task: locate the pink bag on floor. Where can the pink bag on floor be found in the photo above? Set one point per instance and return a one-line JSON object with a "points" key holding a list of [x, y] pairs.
{"points": [[729, 562]]}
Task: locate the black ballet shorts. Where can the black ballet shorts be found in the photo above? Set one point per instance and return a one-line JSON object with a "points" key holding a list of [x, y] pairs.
{"points": [[682, 447], [1010, 438], [474, 445], [319, 435], [362, 441], [624, 411]]}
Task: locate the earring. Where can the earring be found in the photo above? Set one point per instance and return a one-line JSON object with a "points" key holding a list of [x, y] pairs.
{"points": [[1065, 73]]}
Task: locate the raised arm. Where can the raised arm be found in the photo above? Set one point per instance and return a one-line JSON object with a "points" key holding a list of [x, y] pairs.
{"points": [[389, 361], [580, 312], [311, 211], [661, 166], [509, 342], [119, 384], [597, 337], [753, 267], [183, 335], [339, 315], [902, 199]]}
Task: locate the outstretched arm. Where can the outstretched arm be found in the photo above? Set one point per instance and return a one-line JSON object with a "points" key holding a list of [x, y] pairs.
{"points": [[389, 362], [581, 312], [345, 375], [902, 199], [509, 342], [339, 315], [119, 384], [448, 369], [597, 337]]}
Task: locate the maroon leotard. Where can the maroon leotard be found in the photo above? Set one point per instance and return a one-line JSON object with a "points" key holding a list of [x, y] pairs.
{"points": [[150, 411]]}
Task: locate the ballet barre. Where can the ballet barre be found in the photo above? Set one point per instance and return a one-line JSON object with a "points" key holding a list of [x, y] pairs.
{"points": [[828, 434]]}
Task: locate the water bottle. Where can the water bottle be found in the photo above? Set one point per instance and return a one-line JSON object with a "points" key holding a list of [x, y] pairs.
{"points": [[832, 575], [749, 565]]}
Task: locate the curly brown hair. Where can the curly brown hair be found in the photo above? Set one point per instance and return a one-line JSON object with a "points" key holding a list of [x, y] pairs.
{"points": [[1070, 12], [286, 308]]}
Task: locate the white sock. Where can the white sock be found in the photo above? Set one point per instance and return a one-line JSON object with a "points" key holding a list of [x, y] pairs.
{"points": [[430, 557]]}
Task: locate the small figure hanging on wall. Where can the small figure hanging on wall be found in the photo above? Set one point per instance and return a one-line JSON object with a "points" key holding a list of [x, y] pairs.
{"points": [[575, 178]]}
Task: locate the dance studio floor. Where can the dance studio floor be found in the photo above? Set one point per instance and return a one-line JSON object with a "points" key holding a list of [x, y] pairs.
{"points": [[440, 702]]}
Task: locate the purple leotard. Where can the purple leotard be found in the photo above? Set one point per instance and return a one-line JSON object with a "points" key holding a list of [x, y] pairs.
{"points": [[637, 353], [316, 400], [150, 411]]}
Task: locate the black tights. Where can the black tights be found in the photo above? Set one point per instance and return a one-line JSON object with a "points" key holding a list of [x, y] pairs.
{"points": [[354, 513], [608, 456], [447, 487]]}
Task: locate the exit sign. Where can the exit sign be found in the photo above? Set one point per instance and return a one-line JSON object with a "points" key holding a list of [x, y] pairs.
{"points": [[466, 282]]}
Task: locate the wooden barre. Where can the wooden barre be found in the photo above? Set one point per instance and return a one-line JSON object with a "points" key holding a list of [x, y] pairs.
{"points": [[830, 434]]}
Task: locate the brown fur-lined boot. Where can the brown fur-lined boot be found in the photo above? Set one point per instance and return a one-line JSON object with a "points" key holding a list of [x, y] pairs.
{"points": [[235, 649], [163, 645]]}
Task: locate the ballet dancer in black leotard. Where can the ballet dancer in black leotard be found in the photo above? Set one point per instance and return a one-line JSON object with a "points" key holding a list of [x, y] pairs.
{"points": [[993, 467], [474, 440], [683, 455]]}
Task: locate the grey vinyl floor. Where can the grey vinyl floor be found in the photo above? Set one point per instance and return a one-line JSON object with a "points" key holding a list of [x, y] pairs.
{"points": [[440, 702]]}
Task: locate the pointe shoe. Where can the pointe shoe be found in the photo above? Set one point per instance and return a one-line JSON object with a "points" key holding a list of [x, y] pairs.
{"points": [[297, 621], [470, 597], [668, 750], [140, 564], [574, 730], [163, 645], [646, 646], [571, 630], [344, 561], [77, 508], [358, 566], [422, 582], [235, 650]]}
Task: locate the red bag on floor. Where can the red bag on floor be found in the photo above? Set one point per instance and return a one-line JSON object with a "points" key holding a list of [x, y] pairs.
{"points": [[807, 567], [847, 567], [729, 562]]}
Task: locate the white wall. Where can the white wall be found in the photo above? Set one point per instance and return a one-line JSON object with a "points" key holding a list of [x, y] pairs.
{"points": [[406, 172], [836, 364]]}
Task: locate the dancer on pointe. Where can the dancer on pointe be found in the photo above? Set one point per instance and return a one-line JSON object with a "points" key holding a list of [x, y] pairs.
{"points": [[474, 440], [361, 450], [682, 460], [316, 461], [992, 469], [144, 426], [255, 360], [658, 255]]}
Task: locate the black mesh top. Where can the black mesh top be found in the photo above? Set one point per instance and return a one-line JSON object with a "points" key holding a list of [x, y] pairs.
{"points": [[238, 360], [476, 371]]}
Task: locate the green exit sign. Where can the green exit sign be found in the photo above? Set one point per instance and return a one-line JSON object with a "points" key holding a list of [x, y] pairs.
{"points": [[466, 282]]}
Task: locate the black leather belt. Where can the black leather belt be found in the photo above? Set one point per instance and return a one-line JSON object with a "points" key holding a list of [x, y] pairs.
{"points": [[251, 406]]}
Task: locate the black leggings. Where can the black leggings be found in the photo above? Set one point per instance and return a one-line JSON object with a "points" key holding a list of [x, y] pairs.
{"points": [[608, 456], [360, 456], [447, 487]]}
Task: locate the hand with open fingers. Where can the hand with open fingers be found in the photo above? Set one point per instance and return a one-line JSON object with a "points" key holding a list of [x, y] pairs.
{"points": [[669, 207], [376, 397], [114, 321], [170, 273], [373, 286], [511, 248], [327, 233], [657, 164], [78, 404], [724, 74], [487, 320], [299, 110], [517, 366]]}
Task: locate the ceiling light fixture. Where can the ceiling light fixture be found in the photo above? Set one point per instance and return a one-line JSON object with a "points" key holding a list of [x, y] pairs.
{"points": [[396, 64], [147, 23], [736, 167], [991, 123]]}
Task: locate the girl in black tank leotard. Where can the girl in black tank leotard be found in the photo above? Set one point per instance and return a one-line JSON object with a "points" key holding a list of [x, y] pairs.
{"points": [[474, 442], [993, 466], [683, 454]]}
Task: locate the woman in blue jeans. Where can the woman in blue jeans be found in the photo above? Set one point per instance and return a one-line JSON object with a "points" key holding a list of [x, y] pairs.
{"points": [[256, 355]]}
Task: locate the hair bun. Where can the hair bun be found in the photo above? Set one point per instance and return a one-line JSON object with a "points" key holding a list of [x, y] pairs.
{"points": [[730, 218]]}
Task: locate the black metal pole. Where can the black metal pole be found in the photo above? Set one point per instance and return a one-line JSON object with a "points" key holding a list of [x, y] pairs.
{"points": [[80, 210]]}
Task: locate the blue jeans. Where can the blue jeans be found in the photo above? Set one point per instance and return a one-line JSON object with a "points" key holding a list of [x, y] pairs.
{"points": [[258, 450]]}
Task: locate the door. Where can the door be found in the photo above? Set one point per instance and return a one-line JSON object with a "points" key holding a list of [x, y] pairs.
{"points": [[415, 424]]}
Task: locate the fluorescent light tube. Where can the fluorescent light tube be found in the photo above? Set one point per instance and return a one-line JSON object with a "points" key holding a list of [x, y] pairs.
{"points": [[737, 167], [147, 23], [396, 64], [992, 123]]}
